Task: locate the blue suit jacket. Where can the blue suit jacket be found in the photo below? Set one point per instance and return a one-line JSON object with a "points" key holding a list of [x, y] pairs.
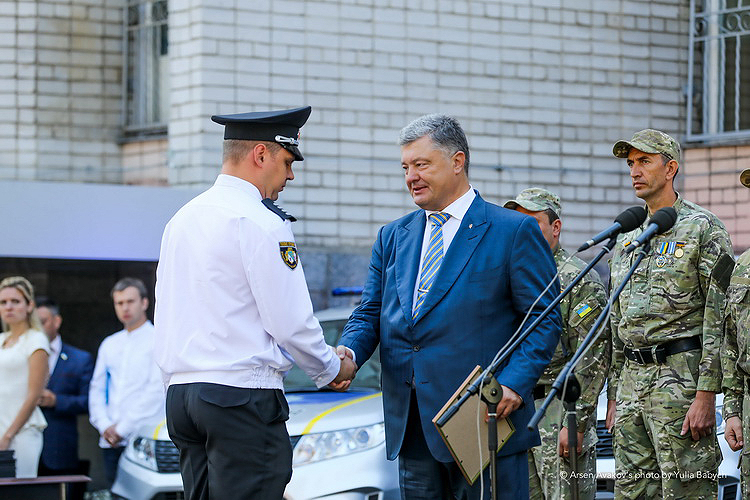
{"points": [[70, 383], [496, 266]]}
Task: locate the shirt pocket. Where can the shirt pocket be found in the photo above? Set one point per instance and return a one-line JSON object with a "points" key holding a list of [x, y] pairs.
{"points": [[673, 283]]}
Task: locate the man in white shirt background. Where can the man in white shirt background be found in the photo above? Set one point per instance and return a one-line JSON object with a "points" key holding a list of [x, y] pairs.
{"points": [[232, 314], [126, 389]]}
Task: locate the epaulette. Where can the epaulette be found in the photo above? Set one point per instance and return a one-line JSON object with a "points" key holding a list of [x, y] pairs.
{"points": [[270, 205]]}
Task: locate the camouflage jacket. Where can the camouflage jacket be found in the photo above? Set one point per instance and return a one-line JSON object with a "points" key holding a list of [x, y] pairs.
{"points": [[735, 353], [677, 291], [580, 309]]}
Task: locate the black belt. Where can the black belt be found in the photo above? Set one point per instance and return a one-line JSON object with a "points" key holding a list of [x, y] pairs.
{"points": [[540, 391], [658, 353]]}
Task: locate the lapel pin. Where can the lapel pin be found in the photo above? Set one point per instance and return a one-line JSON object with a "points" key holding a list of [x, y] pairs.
{"points": [[64, 356], [471, 225]]}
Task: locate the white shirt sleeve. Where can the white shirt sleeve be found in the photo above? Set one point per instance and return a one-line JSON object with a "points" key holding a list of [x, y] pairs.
{"points": [[98, 392], [284, 302], [147, 406]]}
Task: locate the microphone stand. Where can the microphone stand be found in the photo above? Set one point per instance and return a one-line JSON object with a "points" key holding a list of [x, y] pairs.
{"points": [[566, 376], [491, 390]]}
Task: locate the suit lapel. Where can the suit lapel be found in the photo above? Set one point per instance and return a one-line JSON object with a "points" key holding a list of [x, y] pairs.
{"points": [[408, 248], [470, 233]]}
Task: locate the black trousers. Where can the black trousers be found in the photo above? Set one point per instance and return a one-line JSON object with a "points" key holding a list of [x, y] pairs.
{"points": [[111, 458], [233, 442]]}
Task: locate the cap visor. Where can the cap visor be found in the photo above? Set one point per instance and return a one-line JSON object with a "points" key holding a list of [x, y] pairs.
{"points": [[529, 205], [621, 149], [294, 150]]}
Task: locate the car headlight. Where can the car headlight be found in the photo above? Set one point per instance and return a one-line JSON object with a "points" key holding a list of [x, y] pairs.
{"points": [[325, 445], [142, 451], [719, 420]]}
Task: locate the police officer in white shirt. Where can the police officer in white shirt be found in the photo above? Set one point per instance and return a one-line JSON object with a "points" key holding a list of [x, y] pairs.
{"points": [[126, 390], [233, 313]]}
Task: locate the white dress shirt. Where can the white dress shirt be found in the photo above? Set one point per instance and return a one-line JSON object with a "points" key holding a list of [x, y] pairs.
{"points": [[457, 210], [126, 387], [229, 310], [55, 346]]}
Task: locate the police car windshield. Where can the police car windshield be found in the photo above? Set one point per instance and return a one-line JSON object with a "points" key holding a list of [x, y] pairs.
{"points": [[368, 376]]}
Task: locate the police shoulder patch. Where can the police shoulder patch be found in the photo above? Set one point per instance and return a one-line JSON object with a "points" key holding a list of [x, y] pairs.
{"points": [[289, 253]]}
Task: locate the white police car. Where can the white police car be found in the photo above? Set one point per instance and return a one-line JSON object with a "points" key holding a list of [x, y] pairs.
{"points": [[729, 474], [338, 440]]}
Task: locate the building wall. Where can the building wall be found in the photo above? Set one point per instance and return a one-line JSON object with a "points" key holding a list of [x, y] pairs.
{"points": [[712, 181], [542, 87], [61, 89], [145, 162]]}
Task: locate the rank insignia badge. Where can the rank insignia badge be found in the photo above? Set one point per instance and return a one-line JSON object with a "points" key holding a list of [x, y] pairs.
{"points": [[289, 253]]}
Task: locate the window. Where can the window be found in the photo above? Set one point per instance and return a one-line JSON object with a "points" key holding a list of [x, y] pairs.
{"points": [[719, 70], [146, 71]]}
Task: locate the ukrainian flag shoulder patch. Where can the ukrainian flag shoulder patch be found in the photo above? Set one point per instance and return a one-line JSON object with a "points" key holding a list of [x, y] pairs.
{"points": [[583, 310]]}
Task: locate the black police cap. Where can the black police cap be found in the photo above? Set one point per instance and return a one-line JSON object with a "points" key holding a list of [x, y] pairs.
{"points": [[281, 127]]}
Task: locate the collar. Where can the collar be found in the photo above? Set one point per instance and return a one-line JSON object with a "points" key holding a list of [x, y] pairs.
{"points": [[145, 326], [677, 205], [247, 187], [56, 345], [458, 208]]}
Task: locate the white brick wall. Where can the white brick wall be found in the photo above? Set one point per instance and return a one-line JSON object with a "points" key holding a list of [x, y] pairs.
{"points": [[542, 87], [61, 90]]}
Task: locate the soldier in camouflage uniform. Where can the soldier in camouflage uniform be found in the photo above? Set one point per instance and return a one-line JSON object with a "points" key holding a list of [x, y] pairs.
{"points": [[549, 467], [666, 333], [735, 359]]}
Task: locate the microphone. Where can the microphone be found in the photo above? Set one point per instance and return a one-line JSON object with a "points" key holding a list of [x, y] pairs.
{"points": [[660, 222], [626, 221]]}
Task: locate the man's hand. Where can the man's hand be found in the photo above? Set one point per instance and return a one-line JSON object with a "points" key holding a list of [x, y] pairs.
{"points": [[4, 443], [562, 442], [48, 399], [346, 372], [733, 433], [510, 402], [111, 436], [700, 418], [611, 414]]}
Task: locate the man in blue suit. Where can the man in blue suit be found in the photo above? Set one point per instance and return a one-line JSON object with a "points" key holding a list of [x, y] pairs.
{"points": [[448, 285], [66, 397]]}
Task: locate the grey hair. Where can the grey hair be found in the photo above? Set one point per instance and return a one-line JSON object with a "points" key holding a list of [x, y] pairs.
{"points": [[445, 131]]}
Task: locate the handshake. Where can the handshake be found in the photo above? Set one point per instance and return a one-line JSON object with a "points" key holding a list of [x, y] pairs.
{"points": [[347, 371]]}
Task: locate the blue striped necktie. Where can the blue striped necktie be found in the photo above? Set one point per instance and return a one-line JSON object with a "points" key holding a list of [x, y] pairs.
{"points": [[432, 259]]}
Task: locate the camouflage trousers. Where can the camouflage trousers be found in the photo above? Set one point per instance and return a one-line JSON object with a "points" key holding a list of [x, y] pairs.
{"points": [[745, 454], [652, 459], [549, 473]]}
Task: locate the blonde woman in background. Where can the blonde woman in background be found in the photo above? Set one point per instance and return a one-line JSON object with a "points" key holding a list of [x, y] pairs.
{"points": [[24, 350]]}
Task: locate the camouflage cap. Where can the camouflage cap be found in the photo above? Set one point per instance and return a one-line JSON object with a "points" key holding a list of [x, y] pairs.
{"points": [[648, 141], [535, 199], [745, 177]]}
